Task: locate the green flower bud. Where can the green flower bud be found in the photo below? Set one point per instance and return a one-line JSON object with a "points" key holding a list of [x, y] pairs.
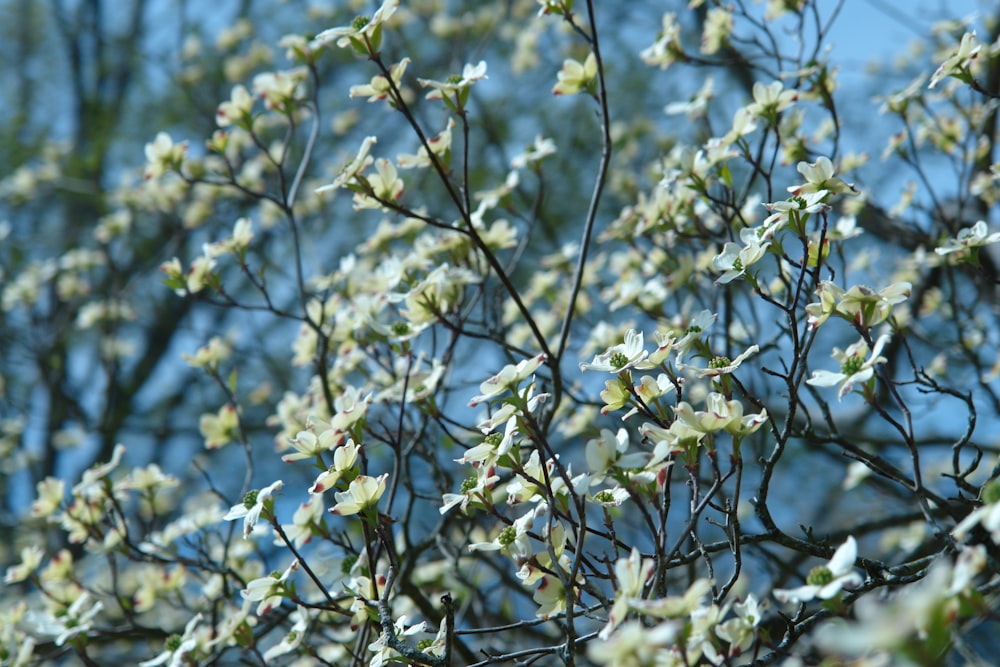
{"points": [[250, 499], [819, 576]]}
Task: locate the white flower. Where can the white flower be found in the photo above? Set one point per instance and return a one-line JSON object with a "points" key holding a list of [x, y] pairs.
{"points": [[181, 655], [70, 622], [31, 558], [304, 522], [723, 365], [237, 109], [967, 51], [574, 76], [362, 493], [253, 504], [636, 644], [970, 237], [631, 573], [720, 415], [854, 367], [385, 184], [279, 90], [294, 637], [734, 260], [676, 606], [508, 378], [363, 32], [819, 176], [667, 48], [379, 87], [455, 84], [318, 437], [384, 654], [619, 357], [344, 458], [772, 99], [826, 581], [809, 202], [861, 305], [550, 597], [988, 515], [269, 590], [349, 173], [163, 155], [739, 632]]}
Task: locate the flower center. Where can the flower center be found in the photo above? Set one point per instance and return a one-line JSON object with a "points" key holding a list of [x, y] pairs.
{"points": [[250, 499], [360, 22], [618, 360], [720, 362], [852, 365], [819, 576], [507, 536]]}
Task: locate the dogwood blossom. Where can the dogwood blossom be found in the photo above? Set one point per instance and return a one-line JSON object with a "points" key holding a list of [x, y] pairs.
{"points": [[987, 515], [854, 367], [220, 429], [860, 305], [770, 100], [961, 60], [473, 489], [344, 459], [826, 581], [254, 504], [633, 644], [575, 76], [362, 493], [364, 34], [355, 167], [31, 558], [819, 176], [970, 237], [550, 596], [237, 111], [508, 378], [306, 522], [269, 591], [379, 87], [163, 155], [631, 576], [619, 357], [734, 260], [723, 365], [721, 414], [65, 623], [178, 649], [439, 145], [319, 437], [667, 49], [383, 186], [455, 85]]}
